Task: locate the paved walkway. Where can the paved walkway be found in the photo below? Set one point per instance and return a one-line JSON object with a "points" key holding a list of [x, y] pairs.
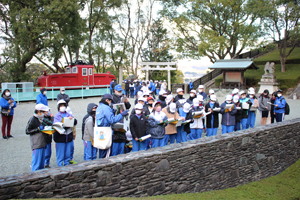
{"points": [[15, 154]]}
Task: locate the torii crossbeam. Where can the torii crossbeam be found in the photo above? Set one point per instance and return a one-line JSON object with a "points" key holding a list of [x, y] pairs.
{"points": [[158, 64]]}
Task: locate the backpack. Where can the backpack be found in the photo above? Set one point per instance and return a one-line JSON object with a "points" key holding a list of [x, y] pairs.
{"points": [[286, 108]]}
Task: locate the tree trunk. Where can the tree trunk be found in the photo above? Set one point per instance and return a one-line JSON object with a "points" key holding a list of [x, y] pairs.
{"points": [[282, 61], [77, 54]]}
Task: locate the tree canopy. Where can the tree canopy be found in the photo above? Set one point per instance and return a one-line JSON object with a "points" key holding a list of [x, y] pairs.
{"points": [[212, 28]]}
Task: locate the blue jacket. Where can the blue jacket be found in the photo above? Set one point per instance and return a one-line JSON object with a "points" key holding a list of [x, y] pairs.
{"points": [[105, 116], [5, 105], [152, 86], [191, 85], [157, 131], [42, 99], [280, 101], [203, 94], [228, 119], [110, 86]]}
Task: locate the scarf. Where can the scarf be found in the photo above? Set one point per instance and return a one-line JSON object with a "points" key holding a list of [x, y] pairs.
{"points": [[6, 97]]}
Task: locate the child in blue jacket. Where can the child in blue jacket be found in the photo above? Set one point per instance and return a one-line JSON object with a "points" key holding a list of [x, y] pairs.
{"points": [[157, 127], [279, 108]]}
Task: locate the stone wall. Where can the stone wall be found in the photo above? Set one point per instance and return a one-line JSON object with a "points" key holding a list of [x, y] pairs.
{"points": [[201, 165]]}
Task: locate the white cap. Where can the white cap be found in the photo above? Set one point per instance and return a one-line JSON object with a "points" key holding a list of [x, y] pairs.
{"points": [[211, 91], [138, 106], [161, 92], [193, 91], [213, 97], [242, 92], [140, 93], [172, 107], [228, 97], [251, 92], [235, 98], [169, 98], [200, 98], [179, 90], [41, 107], [251, 89], [151, 80], [186, 107], [201, 87], [235, 91], [196, 102], [61, 101], [165, 81], [146, 93], [141, 99]]}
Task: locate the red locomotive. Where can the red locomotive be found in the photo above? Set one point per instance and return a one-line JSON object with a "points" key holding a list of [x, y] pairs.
{"points": [[76, 74]]}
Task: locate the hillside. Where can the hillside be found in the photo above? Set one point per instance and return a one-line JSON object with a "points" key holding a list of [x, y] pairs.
{"points": [[288, 79]]}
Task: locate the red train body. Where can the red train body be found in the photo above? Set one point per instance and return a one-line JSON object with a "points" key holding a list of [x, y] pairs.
{"points": [[78, 74]]}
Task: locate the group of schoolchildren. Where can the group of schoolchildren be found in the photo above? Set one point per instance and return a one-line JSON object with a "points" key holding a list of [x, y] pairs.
{"points": [[131, 88], [238, 113], [40, 141], [148, 117]]}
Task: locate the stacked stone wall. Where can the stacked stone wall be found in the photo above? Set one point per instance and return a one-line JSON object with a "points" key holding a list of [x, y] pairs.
{"points": [[205, 164]]}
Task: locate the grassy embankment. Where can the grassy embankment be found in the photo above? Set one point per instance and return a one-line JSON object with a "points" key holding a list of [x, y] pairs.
{"points": [[288, 79]]}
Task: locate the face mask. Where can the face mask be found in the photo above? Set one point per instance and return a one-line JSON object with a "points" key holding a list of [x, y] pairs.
{"points": [[158, 109], [228, 101], [118, 93], [45, 93], [62, 109], [138, 112], [41, 116], [251, 96], [63, 92], [93, 112], [279, 95], [201, 90], [192, 95], [7, 94], [150, 104]]}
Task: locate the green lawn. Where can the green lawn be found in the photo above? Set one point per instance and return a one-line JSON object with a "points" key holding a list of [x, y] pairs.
{"points": [[274, 56], [282, 186]]}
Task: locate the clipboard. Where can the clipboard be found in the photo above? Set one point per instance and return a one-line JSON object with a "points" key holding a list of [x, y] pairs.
{"points": [[228, 106], [67, 122]]}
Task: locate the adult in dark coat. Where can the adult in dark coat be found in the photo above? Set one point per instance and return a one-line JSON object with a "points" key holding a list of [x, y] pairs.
{"points": [[117, 96], [127, 88]]}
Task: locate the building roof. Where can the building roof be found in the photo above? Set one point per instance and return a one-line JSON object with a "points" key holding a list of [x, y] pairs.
{"points": [[234, 64]]}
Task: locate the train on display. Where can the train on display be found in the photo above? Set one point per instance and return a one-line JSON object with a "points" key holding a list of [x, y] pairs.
{"points": [[76, 74]]}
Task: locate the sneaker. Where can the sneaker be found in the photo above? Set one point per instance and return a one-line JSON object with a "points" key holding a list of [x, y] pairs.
{"points": [[10, 136], [47, 166], [5, 137], [72, 162]]}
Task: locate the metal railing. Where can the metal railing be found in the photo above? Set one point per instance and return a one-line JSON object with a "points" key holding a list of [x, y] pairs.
{"points": [[52, 92], [207, 77]]}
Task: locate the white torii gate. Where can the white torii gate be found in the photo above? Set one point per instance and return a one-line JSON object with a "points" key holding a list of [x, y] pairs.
{"points": [[158, 64]]}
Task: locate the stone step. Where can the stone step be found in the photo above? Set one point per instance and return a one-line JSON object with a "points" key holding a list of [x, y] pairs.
{"points": [[296, 91]]}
